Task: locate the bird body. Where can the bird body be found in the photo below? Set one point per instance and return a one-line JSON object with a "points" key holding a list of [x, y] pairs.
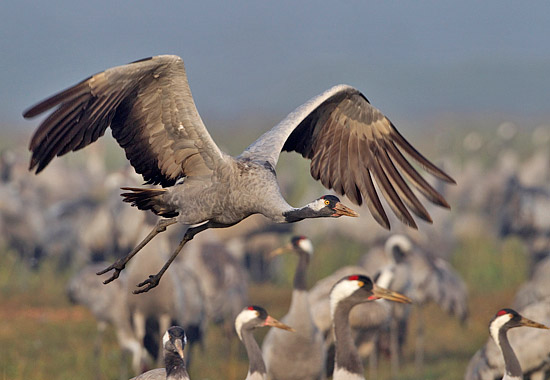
{"points": [[149, 107]]}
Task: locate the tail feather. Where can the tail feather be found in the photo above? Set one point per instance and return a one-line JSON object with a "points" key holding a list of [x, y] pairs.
{"points": [[148, 199]]}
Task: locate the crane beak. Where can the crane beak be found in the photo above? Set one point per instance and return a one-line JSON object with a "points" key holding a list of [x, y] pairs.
{"points": [[279, 251], [341, 210], [529, 323], [270, 321], [179, 347], [380, 292]]}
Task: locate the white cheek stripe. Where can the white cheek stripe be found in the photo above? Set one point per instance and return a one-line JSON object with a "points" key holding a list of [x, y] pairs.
{"points": [[341, 291], [306, 245], [243, 317], [496, 325], [318, 204]]}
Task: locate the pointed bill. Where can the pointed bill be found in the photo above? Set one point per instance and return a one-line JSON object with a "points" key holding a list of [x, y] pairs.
{"points": [[280, 250], [341, 210], [529, 323], [270, 321], [179, 346], [380, 292]]}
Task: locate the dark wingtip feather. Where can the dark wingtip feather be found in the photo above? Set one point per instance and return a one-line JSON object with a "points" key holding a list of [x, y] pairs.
{"points": [[54, 100]]}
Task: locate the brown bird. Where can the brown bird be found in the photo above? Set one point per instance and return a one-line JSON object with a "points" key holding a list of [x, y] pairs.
{"points": [[152, 115]]}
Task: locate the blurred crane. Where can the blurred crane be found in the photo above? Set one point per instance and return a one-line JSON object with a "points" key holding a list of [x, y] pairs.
{"points": [[109, 306], [299, 356], [222, 279], [422, 277], [173, 343], [537, 288]]}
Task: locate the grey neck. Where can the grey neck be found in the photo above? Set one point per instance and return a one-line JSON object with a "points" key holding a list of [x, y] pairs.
{"points": [[347, 357], [513, 368], [297, 214], [175, 367], [255, 359], [300, 277]]}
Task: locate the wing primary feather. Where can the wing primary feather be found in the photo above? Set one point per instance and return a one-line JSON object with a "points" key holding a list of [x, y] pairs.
{"points": [[54, 122], [347, 165], [57, 135], [416, 155], [367, 188], [415, 178], [341, 170], [70, 93], [388, 191], [334, 155], [351, 180], [406, 193]]}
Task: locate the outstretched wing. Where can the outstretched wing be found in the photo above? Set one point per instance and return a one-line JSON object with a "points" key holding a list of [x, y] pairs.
{"points": [[350, 143], [150, 109]]}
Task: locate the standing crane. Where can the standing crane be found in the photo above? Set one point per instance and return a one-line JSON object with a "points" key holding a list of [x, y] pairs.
{"points": [[109, 306], [249, 319], [347, 293], [152, 115], [504, 320], [173, 341], [298, 356], [533, 348]]}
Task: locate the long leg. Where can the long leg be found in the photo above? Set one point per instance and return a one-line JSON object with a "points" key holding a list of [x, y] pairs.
{"points": [[154, 280], [394, 346], [419, 346], [119, 265]]}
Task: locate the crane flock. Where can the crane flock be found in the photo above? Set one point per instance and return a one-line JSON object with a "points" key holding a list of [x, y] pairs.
{"points": [[353, 149]]}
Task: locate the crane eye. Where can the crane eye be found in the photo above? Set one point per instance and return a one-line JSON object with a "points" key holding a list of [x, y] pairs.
{"points": [[327, 202]]}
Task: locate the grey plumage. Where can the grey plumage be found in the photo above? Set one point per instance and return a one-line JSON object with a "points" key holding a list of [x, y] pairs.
{"points": [[344, 296], [109, 305], [247, 320], [152, 115], [537, 288], [364, 329], [532, 348], [173, 343], [422, 277], [222, 279], [301, 355]]}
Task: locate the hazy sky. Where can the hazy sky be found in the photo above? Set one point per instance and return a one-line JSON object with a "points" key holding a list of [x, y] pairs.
{"points": [[410, 58]]}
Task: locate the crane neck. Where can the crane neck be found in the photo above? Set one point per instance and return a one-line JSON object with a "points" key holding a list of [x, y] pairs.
{"points": [[347, 363], [511, 362], [300, 277], [296, 214], [256, 367], [175, 367]]}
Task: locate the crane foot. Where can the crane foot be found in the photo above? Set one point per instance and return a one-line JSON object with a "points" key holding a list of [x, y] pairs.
{"points": [[117, 266], [151, 282]]}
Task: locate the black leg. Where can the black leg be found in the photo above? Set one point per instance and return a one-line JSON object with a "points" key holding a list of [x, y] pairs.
{"points": [[154, 279], [119, 265]]}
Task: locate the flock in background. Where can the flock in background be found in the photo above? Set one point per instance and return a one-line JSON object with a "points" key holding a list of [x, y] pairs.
{"points": [[83, 222]]}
